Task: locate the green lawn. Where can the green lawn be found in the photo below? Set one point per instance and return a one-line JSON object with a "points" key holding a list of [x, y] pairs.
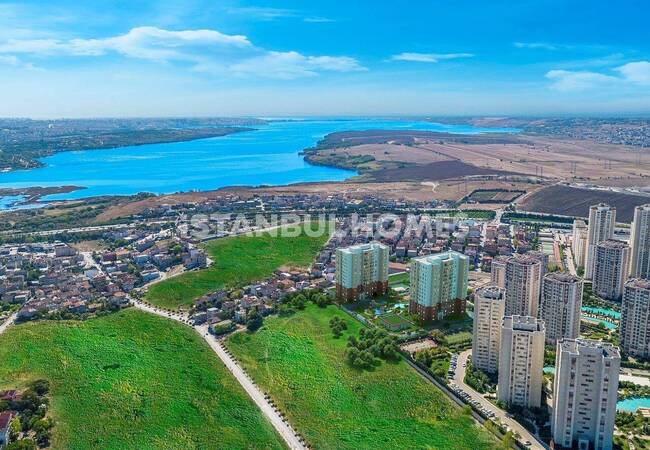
{"points": [[237, 261], [133, 381], [299, 362], [401, 278]]}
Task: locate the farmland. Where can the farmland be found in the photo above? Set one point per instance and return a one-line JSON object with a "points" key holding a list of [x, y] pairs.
{"points": [[118, 382], [571, 201], [299, 362], [237, 261]]}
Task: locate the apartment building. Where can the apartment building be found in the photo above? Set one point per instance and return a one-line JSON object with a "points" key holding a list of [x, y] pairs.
{"points": [[560, 305], [489, 309], [522, 285], [521, 361], [498, 271], [640, 243], [579, 242], [602, 219], [584, 394], [361, 270], [635, 318], [438, 285], [611, 269]]}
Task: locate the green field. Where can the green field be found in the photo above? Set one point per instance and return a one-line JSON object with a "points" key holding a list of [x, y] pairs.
{"points": [[398, 278], [133, 381], [299, 362], [237, 261]]}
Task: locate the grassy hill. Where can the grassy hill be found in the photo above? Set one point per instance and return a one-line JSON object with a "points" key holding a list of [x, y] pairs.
{"points": [[299, 362], [237, 261], [133, 381]]}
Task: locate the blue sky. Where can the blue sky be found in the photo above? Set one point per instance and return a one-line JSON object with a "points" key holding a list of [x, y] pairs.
{"points": [[62, 58]]}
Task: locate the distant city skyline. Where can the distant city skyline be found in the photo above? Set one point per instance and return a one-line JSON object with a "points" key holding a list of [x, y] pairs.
{"points": [[288, 58]]}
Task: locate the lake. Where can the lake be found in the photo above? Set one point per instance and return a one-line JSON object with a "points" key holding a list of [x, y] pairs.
{"points": [[269, 155]]}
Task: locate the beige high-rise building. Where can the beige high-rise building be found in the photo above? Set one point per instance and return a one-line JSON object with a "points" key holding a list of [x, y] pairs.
{"points": [[489, 308], [579, 242], [635, 318], [498, 271], [522, 285], [584, 394], [560, 305], [611, 269], [602, 219], [361, 270], [640, 243], [521, 361]]}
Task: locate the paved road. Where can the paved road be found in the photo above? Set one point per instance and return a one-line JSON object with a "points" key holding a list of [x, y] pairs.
{"points": [[7, 323], [459, 376], [287, 433]]}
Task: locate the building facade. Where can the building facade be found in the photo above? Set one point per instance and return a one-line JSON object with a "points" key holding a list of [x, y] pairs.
{"points": [[521, 361], [361, 270], [438, 285], [640, 243], [635, 318], [584, 394], [498, 271], [560, 305], [611, 269], [579, 242], [602, 219], [522, 285], [489, 309]]}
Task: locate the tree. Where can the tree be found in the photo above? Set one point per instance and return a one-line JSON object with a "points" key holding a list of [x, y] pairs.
{"points": [[23, 444], [254, 322], [14, 429]]}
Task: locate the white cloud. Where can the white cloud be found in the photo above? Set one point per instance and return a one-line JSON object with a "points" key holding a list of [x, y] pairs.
{"points": [[633, 73], [428, 57], [318, 20], [567, 80], [261, 12], [290, 65], [636, 72], [206, 50], [536, 45]]}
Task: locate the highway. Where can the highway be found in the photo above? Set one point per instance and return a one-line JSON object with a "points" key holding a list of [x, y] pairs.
{"points": [[459, 377], [282, 427]]}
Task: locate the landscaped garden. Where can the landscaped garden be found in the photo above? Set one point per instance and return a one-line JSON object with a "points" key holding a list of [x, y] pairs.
{"points": [[117, 382], [237, 261], [304, 365]]}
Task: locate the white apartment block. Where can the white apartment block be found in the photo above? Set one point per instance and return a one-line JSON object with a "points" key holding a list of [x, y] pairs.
{"points": [[584, 394], [602, 219], [560, 306], [579, 242], [635, 318], [521, 361], [438, 285], [361, 270], [489, 309], [640, 243], [522, 285], [611, 269]]}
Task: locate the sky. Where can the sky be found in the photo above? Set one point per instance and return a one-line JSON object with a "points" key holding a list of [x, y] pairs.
{"points": [[65, 58]]}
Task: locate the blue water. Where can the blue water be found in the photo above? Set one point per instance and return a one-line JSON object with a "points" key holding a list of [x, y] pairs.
{"points": [[603, 311], [266, 156], [608, 325], [633, 403]]}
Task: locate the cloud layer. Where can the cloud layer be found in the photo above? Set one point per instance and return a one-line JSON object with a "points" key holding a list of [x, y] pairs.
{"points": [[630, 74], [428, 57], [205, 50]]}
